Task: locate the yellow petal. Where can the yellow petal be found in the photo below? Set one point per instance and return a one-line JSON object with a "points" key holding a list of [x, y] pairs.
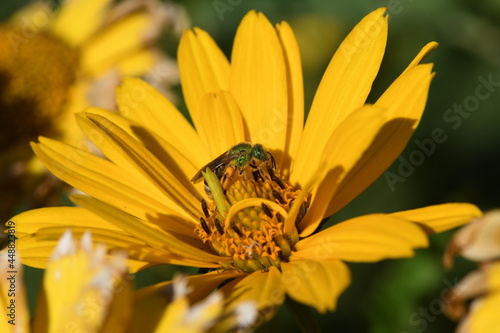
{"points": [[295, 89], [180, 191], [139, 63], [476, 284], [443, 217], [201, 285], [343, 88], [181, 169], [112, 239], [178, 247], [170, 156], [289, 226], [75, 278], [258, 82], [97, 138], [484, 314], [315, 283], [404, 102], [174, 319], [66, 122], [115, 43], [264, 288], [31, 221], [39, 230], [78, 19], [120, 308], [151, 301], [364, 239], [143, 104], [424, 52], [35, 253], [223, 125], [104, 180], [148, 307], [493, 276], [346, 146], [203, 69], [37, 249]]}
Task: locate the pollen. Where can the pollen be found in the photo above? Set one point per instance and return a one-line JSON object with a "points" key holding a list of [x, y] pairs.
{"points": [[36, 72], [250, 227]]}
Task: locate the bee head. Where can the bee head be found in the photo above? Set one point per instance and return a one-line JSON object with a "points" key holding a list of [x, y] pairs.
{"points": [[260, 153]]}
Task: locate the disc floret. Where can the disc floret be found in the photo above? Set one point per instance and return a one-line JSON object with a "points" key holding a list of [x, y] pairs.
{"points": [[35, 76], [245, 218]]}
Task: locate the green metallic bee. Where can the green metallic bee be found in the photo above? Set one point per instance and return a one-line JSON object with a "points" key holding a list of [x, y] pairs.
{"points": [[239, 156]]}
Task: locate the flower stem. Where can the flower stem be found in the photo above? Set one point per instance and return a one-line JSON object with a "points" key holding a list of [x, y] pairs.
{"points": [[303, 315]]}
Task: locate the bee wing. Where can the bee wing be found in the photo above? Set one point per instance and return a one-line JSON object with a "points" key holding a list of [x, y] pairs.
{"points": [[216, 163]]}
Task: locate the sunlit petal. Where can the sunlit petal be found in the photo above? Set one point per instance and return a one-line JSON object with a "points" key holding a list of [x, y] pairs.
{"points": [[316, 283], [364, 239], [203, 69], [258, 82], [343, 88]]}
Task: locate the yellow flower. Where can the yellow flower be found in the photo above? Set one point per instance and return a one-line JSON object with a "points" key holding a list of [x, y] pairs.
{"points": [[80, 293], [478, 241], [54, 63], [261, 229], [85, 291]]}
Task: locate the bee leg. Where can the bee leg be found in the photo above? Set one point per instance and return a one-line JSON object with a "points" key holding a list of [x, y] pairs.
{"points": [[256, 175], [274, 178], [205, 226], [273, 161], [204, 207]]}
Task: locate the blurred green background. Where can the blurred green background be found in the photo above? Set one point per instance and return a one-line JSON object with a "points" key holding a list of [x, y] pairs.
{"points": [[400, 295]]}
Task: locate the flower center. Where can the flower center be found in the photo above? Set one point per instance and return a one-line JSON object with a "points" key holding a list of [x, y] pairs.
{"points": [[36, 71], [245, 219]]}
